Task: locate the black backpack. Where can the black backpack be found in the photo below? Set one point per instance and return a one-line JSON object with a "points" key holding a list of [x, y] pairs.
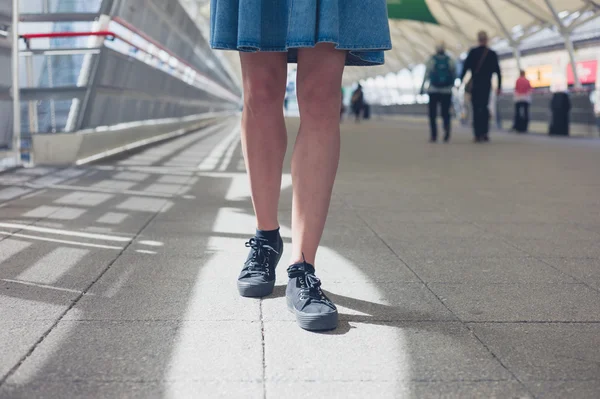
{"points": [[441, 75]]}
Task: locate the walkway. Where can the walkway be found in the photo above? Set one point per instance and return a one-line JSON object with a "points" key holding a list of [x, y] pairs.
{"points": [[460, 270]]}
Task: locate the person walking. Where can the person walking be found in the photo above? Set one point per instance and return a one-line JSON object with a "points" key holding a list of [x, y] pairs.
{"points": [[522, 99], [322, 37], [358, 102], [441, 74], [483, 64]]}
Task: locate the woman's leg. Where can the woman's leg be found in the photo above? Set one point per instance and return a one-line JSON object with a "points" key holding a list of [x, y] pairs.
{"points": [[317, 149], [264, 137]]}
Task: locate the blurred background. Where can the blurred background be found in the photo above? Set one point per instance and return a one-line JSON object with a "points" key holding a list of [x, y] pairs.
{"points": [[85, 64]]}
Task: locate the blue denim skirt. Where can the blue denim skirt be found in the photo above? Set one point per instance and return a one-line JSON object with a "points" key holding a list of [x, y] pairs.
{"points": [[358, 26]]}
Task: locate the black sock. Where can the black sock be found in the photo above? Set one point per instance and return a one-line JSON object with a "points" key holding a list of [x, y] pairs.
{"points": [[270, 235]]}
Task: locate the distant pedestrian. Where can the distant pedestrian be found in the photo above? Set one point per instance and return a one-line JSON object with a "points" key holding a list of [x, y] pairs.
{"points": [[366, 111], [560, 106], [358, 102], [483, 64], [522, 99], [441, 74]]}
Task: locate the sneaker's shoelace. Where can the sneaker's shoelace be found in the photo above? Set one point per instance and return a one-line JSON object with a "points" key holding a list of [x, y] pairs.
{"points": [[310, 285], [258, 264]]}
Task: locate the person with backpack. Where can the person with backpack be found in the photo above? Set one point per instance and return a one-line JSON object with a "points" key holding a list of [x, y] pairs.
{"points": [[441, 74]]}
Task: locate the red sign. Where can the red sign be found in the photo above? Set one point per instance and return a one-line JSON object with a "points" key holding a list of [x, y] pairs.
{"points": [[587, 71]]}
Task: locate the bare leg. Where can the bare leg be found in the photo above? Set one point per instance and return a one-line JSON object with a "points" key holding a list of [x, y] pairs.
{"points": [[317, 148], [264, 137]]}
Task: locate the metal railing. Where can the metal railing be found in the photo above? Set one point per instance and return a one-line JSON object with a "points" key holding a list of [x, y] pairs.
{"points": [[107, 62], [68, 89], [60, 6]]}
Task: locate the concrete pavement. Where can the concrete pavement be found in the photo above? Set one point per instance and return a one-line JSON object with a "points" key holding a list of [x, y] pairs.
{"points": [[460, 270]]}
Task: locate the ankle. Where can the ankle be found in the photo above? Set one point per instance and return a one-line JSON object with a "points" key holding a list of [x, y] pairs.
{"points": [[296, 260], [270, 235]]}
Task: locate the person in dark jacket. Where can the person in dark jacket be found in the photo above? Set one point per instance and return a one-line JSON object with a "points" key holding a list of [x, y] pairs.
{"points": [[358, 102], [561, 107], [483, 64]]}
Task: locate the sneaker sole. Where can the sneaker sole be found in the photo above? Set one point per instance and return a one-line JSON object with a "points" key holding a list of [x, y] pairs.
{"points": [[312, 321], [255, 290]]}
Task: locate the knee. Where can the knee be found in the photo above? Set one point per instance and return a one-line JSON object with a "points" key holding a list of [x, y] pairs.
{"points": [[319, 100], [263, 94]]}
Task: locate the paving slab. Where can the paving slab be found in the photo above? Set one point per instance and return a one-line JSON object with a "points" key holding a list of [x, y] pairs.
{"points": [[452, 248], [27, 302], [10, 193], [148, 287], [400, 352], [566, 248], [194, 245], [336, 263], [398, 389], [586, 270], [547, 351], [376, 217], [17, 337], [62, 266], [42, 209], [541, 231], [418, 225], [489, 270], [107, 218], [145, 351], [565, 389], [134, 389], [520, 302]]}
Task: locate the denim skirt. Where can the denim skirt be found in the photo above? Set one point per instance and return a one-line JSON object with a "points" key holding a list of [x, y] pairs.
{"points": [[358, 26]]}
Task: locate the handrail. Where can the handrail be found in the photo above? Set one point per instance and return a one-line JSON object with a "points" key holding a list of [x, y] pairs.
{"points": [[109, 34], [58, 35], [50, 35], [155, 43], [61, 51]]}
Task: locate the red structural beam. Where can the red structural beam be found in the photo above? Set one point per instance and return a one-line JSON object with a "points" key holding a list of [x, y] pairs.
{"points": [[54, 35], [59, 35]]}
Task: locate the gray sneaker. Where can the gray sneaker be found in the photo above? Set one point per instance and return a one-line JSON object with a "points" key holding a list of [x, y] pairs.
{"points": [[313, 310], [257, 278]]}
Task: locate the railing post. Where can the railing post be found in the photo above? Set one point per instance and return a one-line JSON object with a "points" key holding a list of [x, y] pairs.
{"points": [[92, 64], [16, 93], [32, 106], [109, 7]]}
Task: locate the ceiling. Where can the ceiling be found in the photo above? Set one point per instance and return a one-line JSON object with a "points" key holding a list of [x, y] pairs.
{"points": [[458, 24]]}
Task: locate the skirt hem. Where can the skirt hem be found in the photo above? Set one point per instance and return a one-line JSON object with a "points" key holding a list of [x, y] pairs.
{"points": [[356, 53]]}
